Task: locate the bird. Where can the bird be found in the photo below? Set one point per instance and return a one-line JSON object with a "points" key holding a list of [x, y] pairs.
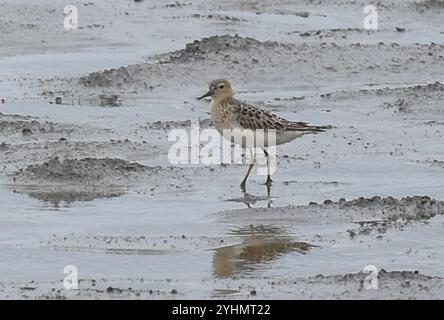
{"points": [[229, 114]]}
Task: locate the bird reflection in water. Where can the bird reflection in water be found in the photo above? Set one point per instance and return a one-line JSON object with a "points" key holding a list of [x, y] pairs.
{"points": [[249, 199], [261, 244]]}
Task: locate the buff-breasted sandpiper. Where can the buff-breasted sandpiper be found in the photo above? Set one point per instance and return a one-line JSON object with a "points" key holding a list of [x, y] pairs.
{"points": [[229, 114]]}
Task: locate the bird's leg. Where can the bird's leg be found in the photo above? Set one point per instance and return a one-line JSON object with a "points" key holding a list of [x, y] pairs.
{"points": [[250, 167], [269, 181]]}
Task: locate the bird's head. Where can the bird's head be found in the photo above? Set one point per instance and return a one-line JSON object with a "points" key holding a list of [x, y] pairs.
{"points": [[218, 90]]}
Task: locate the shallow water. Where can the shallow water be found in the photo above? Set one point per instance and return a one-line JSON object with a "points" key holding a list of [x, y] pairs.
{"points": [[247, 248], [28, 223]]}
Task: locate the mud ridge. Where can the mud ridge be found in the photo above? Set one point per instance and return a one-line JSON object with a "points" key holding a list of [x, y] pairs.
{"points": [[83, 170], [373, 215], [167, 125], [245, 60], [390, 285]]}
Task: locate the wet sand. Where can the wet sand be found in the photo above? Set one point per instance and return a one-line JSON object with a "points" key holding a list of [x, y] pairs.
{"points": [[87, 181]]}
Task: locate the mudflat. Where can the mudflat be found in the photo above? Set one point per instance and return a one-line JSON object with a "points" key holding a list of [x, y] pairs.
{"points": [[85, 178]]}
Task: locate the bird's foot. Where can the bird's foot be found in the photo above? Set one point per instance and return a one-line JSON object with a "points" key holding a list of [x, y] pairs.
{"points": [[243, 186], [268, 181]]}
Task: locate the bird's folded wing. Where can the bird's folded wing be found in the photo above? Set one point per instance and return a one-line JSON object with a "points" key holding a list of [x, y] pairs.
{"points": [[250, 117]]}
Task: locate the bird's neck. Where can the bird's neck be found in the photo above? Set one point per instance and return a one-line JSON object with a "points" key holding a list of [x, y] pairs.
{"points": [[216, 102], [217, 113]]}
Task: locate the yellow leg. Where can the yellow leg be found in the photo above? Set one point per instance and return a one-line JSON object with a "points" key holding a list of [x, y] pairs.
{"points": [[269, 181], [250, 168]]}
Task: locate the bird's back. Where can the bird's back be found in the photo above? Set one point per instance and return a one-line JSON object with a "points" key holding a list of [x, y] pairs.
{"points": [[250, 117]]}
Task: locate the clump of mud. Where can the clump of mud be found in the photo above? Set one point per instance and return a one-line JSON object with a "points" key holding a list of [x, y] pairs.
{"points": [[400, 105], [371, 215], [10, 117], [428, 4], [416, 99], [419, 98], [428, 90], [408, 208], [86, 179], [4, 146], [326, 33], [32, 126], [109, 100], [20, 155], [387, 212], [26, 128], [390, 284], [83, 170], [218, 17], [199, 49], [429, 163], [195, 51], [167, 125], [385, 277], [106, 78]]}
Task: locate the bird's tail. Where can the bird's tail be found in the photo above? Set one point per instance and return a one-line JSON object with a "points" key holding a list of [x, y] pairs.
{"points": [[320, 128], [308, 128]]}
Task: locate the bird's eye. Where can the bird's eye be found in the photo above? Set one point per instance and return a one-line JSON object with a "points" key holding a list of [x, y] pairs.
{"points": [[221, 86]]}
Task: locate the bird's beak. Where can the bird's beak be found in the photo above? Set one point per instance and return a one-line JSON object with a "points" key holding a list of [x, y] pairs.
{"points": [[208, 94]]}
